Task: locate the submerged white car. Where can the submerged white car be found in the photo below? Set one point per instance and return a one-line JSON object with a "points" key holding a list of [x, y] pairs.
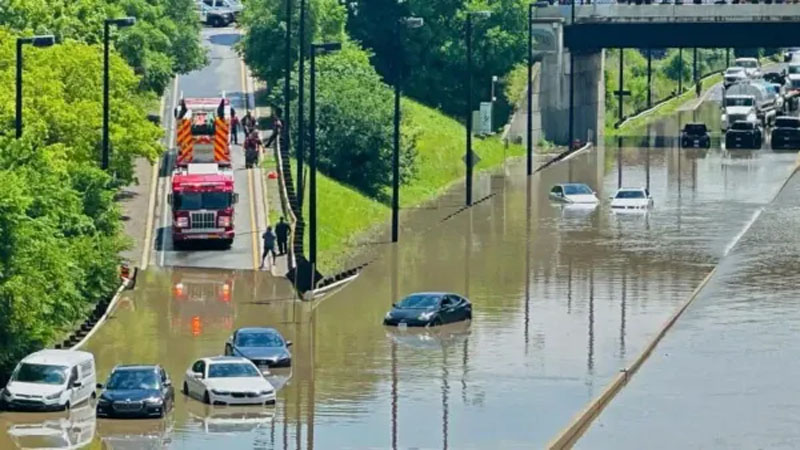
{"points": [[228, 380], [573, 193], [631, 198]]}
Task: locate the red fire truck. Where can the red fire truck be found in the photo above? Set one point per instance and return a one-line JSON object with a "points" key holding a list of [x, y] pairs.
{"points": [[203, 131], [202, 192], [202, 202]]}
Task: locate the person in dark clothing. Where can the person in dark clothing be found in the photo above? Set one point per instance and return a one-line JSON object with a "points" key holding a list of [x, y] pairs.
{"points": [[248, 123], [282, 232], [234, 127], [269, 246], [221, 109]]}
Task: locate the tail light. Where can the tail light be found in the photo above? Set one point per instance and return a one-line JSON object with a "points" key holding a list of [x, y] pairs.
{"points": [[225, 295], [197, 326], [182, 222], [178, 290], [224, 221]]}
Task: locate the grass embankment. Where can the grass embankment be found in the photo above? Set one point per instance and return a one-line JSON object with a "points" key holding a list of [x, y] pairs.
{"points": [[665, 109], [345, 215]]}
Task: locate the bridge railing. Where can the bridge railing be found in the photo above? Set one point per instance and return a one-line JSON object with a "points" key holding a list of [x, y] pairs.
{"points": [[623, 13]]}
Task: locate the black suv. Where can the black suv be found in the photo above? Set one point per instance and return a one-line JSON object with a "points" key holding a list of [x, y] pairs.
{"points": [[786, 133], [695, 135], [743, 134], [136, 391]]}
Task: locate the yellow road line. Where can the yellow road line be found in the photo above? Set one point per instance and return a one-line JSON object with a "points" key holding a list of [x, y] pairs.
{"points": [[255, 233]]}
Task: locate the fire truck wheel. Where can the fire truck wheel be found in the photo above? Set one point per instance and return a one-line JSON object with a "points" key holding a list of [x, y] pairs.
{"points": [[228, 243]]}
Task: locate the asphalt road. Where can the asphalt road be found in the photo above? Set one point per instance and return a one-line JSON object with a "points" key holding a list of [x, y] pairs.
{"points": [[223, 76]]}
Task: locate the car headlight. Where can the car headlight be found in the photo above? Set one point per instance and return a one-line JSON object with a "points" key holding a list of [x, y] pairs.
{"points": [[216, 392], [267, 392], [103, 401], [182, 222], [154, 400], [426, 315], [389, 315], [54, 396], [751, 117]]}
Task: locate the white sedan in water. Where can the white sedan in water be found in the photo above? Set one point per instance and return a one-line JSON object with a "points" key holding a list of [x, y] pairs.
{"points": [[573, 193], [631, 199], [228, 380]]}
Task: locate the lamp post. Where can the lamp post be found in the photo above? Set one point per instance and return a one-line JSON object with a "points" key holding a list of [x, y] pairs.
{"points": [[287, 75], [468, 155], [529, 125], [404, 22], [37, 41], [119, 23], [301, 117], [321, 49]]}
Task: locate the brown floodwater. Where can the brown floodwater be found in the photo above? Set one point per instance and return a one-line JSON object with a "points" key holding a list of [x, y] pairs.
{"points": [[563, 298]]}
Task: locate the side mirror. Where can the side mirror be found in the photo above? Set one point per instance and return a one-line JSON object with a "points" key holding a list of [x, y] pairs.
{"points": [[235, 198], [394, 305], [169, 199], [77, 384], [288, 343], [168, 383], [99, 386]]}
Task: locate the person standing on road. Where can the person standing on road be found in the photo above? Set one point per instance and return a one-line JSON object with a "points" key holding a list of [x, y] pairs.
{"points": [[248, 123], [269, 246], [234, 127], [282, 231]]}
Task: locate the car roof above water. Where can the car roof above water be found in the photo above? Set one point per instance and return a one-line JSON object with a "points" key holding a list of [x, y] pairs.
{"points": [[58, 357]]}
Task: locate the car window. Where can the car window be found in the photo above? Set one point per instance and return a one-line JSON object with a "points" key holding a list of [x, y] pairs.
{"points": [[209, 2], [787, 122], [742, 125], [133, 379], [40, 373], [73, 376], [556, 190], [447, 302], [419, 301], [198, 367], [577, 189], [630, 194], [258, 340], [232, 370]]}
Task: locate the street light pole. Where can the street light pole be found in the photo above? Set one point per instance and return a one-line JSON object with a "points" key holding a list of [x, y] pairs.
{"points": [[287, 104], [405, 22], [468, 156], [122, 22], [37, 41], [327, 47], [301, 126], [529, 125]]}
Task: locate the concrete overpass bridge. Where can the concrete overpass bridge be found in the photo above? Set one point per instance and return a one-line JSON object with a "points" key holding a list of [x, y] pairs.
{"points": [[568, 97]]}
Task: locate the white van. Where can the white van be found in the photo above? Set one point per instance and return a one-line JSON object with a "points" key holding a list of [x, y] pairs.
{"points": [[51, 380]]}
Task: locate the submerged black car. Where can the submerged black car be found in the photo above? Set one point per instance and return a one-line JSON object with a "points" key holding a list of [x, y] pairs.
{"points": [[743, 134], [786, 133], [265, 347], [695, 135], [136, 391], [429, 309]]}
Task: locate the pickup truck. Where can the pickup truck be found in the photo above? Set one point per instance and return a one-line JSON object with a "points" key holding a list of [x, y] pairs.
{"points": [[743, 134], [695, 135], [786, 133]]}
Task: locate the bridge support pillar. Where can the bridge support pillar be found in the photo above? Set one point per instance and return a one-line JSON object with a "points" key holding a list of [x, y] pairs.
{"points": [[649, 78], [680, 70]]}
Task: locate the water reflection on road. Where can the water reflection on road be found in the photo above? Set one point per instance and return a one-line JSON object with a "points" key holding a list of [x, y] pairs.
{"points": [[563, 297]]}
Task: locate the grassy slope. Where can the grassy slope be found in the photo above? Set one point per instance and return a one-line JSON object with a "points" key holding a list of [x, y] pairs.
{"points": [[345, 214]]}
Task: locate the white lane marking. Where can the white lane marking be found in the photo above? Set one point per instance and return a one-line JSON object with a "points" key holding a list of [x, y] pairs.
{"points": [[746, 227], [165, 182]]}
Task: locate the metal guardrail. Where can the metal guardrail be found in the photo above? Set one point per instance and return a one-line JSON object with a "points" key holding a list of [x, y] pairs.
{"points": [[688, 12]]}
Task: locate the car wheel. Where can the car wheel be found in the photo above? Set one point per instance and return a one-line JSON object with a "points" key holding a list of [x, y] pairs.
{"points": [[94, 395], [206, 398], [67, 406], [469, 315], [185, 389], [228, 350]]}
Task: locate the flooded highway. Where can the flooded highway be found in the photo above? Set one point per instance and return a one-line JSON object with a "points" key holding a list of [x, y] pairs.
{"points": [[562, 297], [724, 374]]}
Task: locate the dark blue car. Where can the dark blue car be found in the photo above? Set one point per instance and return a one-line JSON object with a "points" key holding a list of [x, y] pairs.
{"points": [[429, 309], [136, 391], [265, 347]]}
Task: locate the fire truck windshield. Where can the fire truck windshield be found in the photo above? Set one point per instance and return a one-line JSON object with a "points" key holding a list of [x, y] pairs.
{"points": [[189, 201], [203, 125]]}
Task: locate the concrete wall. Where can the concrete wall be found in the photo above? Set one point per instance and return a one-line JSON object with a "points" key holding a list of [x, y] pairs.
{"points": [[519, 121], [589, 97]]}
